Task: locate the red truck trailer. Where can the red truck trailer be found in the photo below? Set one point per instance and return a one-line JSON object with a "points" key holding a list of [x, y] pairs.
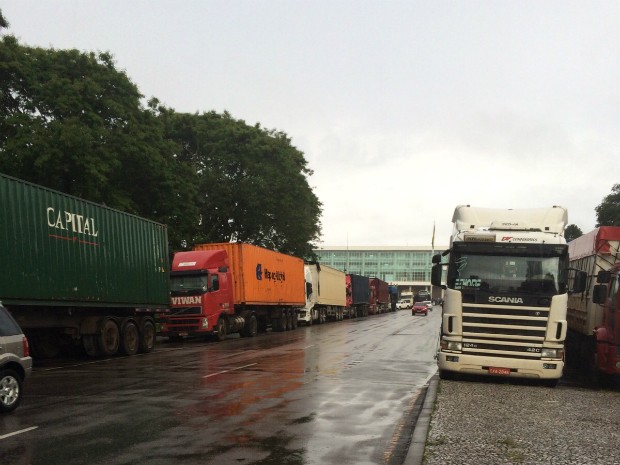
{"points": [[223, 288], [593, 339], [379, 296]]}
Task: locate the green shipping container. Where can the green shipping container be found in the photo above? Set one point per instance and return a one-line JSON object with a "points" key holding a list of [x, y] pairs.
{"points": [[60, 250]]}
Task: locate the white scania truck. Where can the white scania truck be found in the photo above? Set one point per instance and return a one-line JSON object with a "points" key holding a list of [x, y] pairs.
{"points": [[506, 293]]}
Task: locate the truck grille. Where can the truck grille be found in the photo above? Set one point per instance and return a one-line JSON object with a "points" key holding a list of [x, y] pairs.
{"points": [[183, 319], [504, 331], [185, 311]]}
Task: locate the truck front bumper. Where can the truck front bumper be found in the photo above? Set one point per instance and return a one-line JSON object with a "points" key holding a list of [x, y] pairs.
{"points": [[499, 366]]}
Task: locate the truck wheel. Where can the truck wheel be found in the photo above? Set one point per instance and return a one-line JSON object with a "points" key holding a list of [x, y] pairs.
{"points": [[109, 337], [89, 342], [448, 375], [221, 330], [10, 390], [147, 337], [289, 321], [279, 324], [550, 383], [295, 320], [250, 329], [130, 338]]}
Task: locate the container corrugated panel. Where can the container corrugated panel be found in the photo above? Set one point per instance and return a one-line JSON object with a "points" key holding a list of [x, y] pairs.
{"points": [[381, 290], [262, 276], [332, 287], [360, 289], [58, 249]]}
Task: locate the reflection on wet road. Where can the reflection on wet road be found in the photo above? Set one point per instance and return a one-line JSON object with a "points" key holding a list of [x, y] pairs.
{"points": [[327, 394]]}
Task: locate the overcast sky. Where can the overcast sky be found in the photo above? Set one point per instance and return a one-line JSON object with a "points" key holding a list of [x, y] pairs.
{"points": [[403, 109]]}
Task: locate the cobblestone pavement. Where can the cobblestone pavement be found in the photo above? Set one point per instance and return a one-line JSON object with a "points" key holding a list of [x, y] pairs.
{"points": [[494, 422]]}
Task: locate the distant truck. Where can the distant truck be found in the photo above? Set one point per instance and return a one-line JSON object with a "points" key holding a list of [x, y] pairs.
{"points": [[379, 296], [76, 274], [593, 340], [504, 309], [422, 296], [325, 294], [393, 291], [223, 288], [358, 295]]}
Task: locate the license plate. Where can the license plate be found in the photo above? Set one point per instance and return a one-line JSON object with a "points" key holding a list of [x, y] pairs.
{"points": [[499, 371], [183, 334]]}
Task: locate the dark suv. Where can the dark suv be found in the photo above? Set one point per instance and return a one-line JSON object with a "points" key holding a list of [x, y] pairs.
{"points": [[15, 362]]}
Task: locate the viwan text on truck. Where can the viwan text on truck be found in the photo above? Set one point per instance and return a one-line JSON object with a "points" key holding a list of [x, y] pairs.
{"points": [[506, 293]]}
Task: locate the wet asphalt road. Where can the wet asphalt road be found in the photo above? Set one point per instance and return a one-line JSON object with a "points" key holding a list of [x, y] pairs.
{"points": [[339, 393]]}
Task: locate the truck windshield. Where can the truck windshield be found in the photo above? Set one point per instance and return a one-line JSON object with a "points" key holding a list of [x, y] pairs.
{"points": [[189, 284], [525, 269]]}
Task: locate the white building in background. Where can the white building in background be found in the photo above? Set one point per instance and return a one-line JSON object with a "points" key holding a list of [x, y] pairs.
{"points": [[407, 267]]}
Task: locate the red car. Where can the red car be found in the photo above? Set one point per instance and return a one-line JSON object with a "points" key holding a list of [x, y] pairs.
{"points": [[419, 307]]}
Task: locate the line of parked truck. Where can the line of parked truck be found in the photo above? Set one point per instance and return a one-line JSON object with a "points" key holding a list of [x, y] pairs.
{"points": [[78, 274]]}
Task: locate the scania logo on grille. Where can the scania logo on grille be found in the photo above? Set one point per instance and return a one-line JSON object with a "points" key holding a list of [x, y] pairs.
{"points": [[505, 300]]}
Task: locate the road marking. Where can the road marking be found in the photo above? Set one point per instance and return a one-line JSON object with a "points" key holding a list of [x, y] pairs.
{"points": [[228, 371], [102, 360], [18, 432]]}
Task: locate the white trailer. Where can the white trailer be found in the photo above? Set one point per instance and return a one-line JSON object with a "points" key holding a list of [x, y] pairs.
{"points": [[325, 294], [504, 311], [593, 252]]}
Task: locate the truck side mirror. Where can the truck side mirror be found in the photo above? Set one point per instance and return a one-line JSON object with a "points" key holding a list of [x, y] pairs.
{"points": [[436, 274], [436, 258], [599, 294], [579, 285], [603, 277]]}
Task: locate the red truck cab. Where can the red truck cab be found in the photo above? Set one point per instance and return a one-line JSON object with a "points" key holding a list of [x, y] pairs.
{"points": [[200, 293], [607, 335]]}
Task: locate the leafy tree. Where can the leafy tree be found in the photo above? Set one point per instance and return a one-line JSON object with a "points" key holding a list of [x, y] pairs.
{"points": [[608, 211], [72, 122], [572, 232], [3, 22], [253, 182]]}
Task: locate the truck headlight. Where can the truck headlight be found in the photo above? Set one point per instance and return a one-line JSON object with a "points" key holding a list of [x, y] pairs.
{"points": [[552, 353], [451, 345]]}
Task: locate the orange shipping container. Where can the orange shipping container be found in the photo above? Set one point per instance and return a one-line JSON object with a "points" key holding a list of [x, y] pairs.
{"points": [[262, 276]]}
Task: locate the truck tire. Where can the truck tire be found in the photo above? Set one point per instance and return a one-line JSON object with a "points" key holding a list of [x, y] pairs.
{"points": [[447, 375], [221, 329], [130, 338], [109, 337], [289, 321], [89, 343], [10, 390], [250, 329], [278, 324], [295, 320], [147, 337]]}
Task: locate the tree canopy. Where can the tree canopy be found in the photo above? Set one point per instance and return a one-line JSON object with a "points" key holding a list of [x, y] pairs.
{"points": [[572, 232], [253, 182], [608, 211], [71, 121]]}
